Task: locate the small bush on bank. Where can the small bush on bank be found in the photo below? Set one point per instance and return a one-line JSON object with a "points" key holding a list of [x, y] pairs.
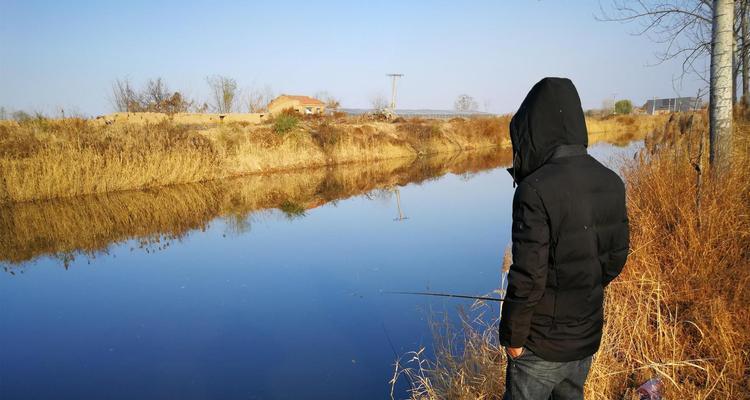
{"points": [[623, 107], [327, 135], [420, 129], [285, 123]]}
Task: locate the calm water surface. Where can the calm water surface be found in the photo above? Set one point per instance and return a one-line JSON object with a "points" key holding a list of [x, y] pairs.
{"points": [[261, 288]]}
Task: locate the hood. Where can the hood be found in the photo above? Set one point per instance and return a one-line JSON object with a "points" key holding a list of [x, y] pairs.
{"points": [[549, 117]]}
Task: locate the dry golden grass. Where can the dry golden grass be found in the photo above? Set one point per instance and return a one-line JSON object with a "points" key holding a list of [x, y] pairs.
{"points": [[45, 159], [678, 312], [89, 224], [622, 129]]}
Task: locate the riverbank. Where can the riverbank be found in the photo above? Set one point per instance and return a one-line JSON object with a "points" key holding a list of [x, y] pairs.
{"points": [[679, 310], [48, 158], [153, 219]]}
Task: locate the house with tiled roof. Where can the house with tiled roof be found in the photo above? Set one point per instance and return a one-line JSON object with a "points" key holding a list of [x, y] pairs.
{"points": [[301, 104], [674, 104]]}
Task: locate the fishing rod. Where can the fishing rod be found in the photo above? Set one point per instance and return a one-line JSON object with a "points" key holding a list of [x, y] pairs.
{"points": [[457, 296]]}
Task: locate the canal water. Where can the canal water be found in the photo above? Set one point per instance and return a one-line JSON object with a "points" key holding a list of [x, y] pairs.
{"points": [[266, 287]]}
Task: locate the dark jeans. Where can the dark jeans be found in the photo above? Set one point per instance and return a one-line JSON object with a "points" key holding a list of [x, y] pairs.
{"points": [[528, 377]]}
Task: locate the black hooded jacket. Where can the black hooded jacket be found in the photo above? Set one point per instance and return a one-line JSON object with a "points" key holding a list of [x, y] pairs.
{"points": [[570, 229]]}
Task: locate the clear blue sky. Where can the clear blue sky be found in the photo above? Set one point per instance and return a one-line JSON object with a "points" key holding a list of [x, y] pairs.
{"points": [[67, 53]]}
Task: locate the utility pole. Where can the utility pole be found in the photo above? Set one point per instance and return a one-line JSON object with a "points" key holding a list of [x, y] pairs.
{"points": [[393, 89], [614, 103]]}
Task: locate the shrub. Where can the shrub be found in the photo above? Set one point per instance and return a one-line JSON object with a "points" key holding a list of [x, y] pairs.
{"points": [[285, 123], [420, 129], [623, 107], [327, 135], [21, 116]]}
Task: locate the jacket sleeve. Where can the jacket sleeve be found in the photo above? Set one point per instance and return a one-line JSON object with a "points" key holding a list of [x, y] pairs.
{"points": [[528, 273], [613, 265]]}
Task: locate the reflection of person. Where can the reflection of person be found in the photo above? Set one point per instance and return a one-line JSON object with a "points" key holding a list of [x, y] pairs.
{"points": [[570, 239]]}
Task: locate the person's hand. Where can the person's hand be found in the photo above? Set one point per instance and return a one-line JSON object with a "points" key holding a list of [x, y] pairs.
{"points": [[514, 352]]}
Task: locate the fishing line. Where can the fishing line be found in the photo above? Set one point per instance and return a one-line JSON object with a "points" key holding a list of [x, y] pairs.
{"points": [[457, 296]]}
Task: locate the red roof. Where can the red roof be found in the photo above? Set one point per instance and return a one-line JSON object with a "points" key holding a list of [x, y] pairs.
{"points": [[304, 100]]}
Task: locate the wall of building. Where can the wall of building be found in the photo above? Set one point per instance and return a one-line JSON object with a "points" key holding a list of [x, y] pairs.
{"points": [[282, 104]]}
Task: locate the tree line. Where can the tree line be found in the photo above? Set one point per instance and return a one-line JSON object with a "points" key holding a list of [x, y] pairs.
{"points": [[225, 96]]}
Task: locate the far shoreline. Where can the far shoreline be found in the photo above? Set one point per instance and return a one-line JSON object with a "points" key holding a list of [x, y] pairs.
{"points": [[44, 158]]}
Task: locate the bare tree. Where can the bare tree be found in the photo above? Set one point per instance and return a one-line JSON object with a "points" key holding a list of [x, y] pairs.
{"points": [[258, 98], [155, 97], [155, 94], [124, 97], [332, 103], [745, 53], [741, 67], [720, 118], [683, 26], [202, 109], [224, 93], [176, 103], [378, 102], [465, 103]]}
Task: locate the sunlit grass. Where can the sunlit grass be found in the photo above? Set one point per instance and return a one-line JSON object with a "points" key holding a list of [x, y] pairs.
{"points": [[50, 158], [66, 227], [46, 158]]}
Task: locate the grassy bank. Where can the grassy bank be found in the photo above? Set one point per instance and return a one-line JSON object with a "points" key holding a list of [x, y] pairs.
{"points": [[44, 159], [678, 312], [88, 225]]}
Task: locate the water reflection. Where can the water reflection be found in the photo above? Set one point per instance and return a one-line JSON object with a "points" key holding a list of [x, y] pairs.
{"points": [[279, 298], [153, 219]]}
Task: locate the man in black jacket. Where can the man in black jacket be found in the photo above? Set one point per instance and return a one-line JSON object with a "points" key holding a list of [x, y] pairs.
{"points": [[570, 239]]}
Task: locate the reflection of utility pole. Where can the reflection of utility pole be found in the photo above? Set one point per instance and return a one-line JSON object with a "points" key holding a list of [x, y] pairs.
{"points": [[393, 89], [401, 215]]}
